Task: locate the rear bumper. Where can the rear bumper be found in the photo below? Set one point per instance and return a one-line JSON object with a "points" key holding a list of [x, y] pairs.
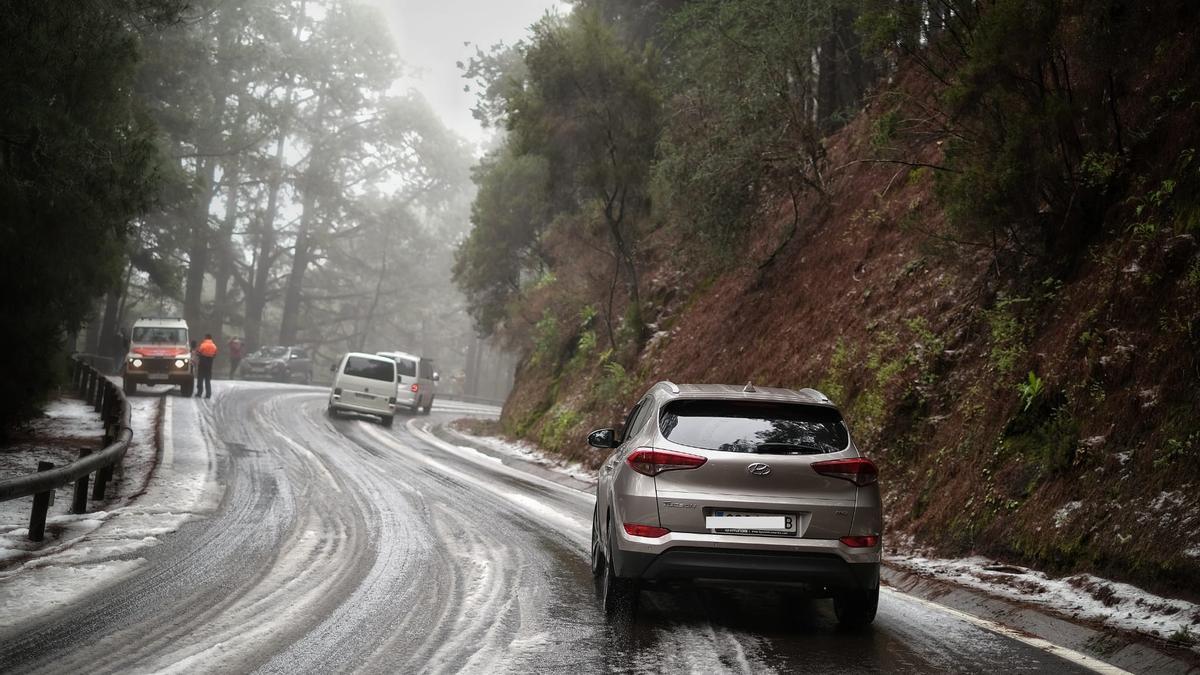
{"points": [[817, 570], [386, 409]]}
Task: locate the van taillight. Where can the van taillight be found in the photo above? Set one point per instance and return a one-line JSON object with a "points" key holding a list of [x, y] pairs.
{"points": [[651, 462], [857, 470], [415, 387]]}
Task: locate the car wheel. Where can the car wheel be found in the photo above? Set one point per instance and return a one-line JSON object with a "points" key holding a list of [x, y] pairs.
{"points": [[331, 411], [856, 608], [428, 407], [387, 420], [130, 388], [187, 388], [597, 556], [618, 596]]}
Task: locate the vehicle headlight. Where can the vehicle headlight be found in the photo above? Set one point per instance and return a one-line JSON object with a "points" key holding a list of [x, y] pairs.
{"points": [[179, 363], [137, 363]]}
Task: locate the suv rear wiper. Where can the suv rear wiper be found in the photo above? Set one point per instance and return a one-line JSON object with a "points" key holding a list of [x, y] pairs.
{"points": [[789, 449]]}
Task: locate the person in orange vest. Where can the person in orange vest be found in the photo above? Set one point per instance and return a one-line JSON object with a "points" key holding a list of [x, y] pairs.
{"points": [[206, 351]]}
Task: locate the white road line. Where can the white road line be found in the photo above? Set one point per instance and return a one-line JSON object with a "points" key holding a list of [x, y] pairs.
{"points": [[168, 435], [1083, 660]]}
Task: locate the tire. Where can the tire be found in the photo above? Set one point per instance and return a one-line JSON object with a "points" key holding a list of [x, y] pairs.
{"points": [[428, 407], [331, 412], [597, 555], [129, 387], [386, 420], [856, 609], [618, 596], [308, 378], [416, 406], [187, 388]]}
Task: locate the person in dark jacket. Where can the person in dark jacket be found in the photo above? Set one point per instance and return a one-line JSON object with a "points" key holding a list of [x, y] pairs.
{"points": [[206, 351]]}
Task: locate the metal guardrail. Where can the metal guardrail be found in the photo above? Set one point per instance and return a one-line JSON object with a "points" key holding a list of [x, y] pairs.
{"points": [[472, 399], [108, 400]]}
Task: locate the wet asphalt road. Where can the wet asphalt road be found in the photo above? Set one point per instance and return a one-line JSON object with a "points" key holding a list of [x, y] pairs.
{"points": [[338, 545]]}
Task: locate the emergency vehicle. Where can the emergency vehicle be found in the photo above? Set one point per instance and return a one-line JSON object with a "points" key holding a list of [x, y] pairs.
{"points": [[159, 353]]}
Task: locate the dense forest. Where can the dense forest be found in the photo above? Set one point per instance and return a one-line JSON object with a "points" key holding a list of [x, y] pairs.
{"points": [[250, 165], [971, 223]]}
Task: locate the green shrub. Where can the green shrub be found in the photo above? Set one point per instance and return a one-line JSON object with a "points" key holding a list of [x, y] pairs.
{"points": [[1007, 334], [557, 432], [1030, 390], [545, 339]]}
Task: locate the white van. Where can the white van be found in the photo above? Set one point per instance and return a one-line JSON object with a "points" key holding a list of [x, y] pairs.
{"points": [[418, 380], [364, 383]]}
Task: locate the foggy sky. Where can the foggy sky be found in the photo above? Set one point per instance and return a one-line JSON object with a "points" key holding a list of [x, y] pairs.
{"points": [[430, 36]]}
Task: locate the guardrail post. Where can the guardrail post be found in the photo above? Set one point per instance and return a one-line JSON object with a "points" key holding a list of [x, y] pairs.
{"points": [[102, 477], [79, 499], [101, 394], [41, 504]]}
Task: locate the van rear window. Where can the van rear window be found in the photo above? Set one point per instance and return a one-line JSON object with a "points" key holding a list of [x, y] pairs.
{"points": [[406, 368], [761, 427], [372, 369]]}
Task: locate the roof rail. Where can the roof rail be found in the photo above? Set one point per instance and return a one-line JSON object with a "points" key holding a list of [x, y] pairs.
{"points": [[749, 388], [674, 388], [815, 394]]}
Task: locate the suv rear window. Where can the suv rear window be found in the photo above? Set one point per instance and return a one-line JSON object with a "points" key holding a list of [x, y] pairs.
{"points": [[406, 368], [760, 427], [372, 369]]}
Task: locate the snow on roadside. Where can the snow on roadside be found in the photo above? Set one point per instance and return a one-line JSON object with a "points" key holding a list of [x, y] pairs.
{"points": [[529, 453], [85, 550], [1081, 596]]}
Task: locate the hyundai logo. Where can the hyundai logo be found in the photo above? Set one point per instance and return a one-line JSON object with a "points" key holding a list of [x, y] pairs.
{"points": [[759, 469]]}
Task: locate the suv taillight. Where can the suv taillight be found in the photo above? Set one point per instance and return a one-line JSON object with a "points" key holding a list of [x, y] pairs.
{"points": [[651, 531], [415, 387], [857, 470], [652, 462]]}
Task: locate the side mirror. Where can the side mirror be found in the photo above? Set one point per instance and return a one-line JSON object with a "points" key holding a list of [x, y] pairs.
{"points": [[333, 366], [437, 377], [603, 438]]}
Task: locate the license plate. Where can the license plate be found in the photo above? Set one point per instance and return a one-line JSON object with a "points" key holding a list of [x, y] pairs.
{"points": [[366, 396], [748, 522], [156, 376]]}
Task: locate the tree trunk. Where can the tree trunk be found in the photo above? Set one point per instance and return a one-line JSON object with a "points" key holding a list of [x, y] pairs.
{"points": [[198, 247], [224, 248], [301, 256], [109, 344], [256, 294], [383, 264]]}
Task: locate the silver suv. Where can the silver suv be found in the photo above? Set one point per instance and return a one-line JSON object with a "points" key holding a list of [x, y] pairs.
{"points": [[737, 484]]}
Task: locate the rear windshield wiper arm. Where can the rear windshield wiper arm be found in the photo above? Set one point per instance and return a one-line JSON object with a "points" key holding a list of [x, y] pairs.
{"points": [[789, 448]]}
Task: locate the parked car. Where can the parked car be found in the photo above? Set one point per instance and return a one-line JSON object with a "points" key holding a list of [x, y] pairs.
{"points": [[418, 380], [282, 364], [737, 484], [364, 383], [158, 353]]}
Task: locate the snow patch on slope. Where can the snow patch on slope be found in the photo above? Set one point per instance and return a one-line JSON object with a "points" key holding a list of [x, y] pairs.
{"points": [[1081, 596]]}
